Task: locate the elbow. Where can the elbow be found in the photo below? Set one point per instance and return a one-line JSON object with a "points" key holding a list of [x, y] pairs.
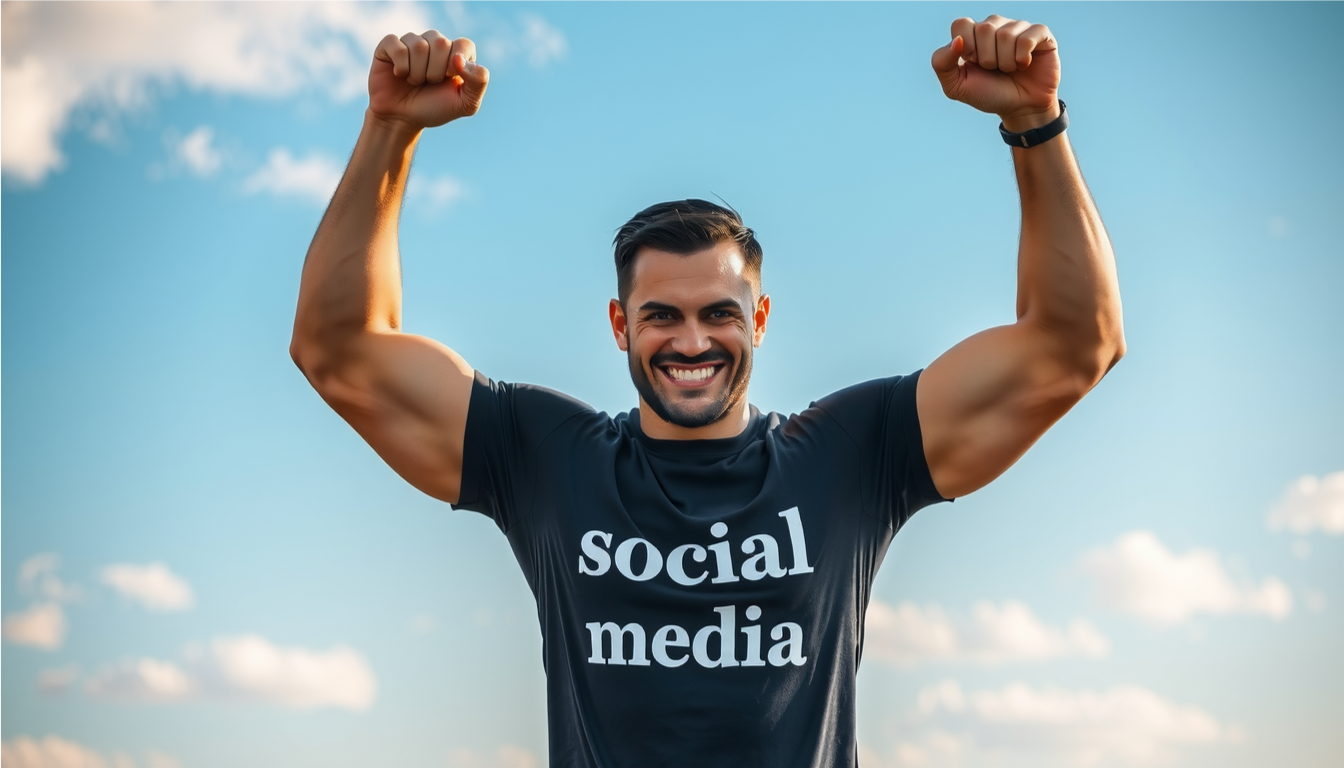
{"points": [[301, 354], [310, 358], [1101, 357]]}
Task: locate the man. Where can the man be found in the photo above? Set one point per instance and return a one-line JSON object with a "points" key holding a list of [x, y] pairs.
{"points": [[701, 570]]}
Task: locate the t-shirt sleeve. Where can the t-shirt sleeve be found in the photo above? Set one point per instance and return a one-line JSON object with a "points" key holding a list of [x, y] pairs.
{"points": [[506, 424], [881, 417]]}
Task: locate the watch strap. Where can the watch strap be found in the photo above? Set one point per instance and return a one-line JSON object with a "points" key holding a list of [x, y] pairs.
{"points": [[1029, 139]]}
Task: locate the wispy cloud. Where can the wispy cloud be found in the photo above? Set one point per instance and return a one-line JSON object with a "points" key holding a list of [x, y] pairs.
{"points": [[433, 193], [247, 668], [312, 179], [153, 585], [422, 624], [1311, 504], [908, 634], [500, 40], [42, 625], [55, 752], [37, 576], [197, 152], [1139, 576], [1126, 725], [57, 680]]}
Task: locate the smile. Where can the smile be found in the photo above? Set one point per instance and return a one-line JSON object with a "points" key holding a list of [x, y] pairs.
{"points": [[690, 376]]}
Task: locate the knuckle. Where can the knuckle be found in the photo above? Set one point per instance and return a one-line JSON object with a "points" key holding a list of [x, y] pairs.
{"points": [[441, 43], [984, 28]]}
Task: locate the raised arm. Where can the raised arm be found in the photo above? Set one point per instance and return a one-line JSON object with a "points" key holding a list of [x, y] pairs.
{"points": [[406, 395], [984, 402]]}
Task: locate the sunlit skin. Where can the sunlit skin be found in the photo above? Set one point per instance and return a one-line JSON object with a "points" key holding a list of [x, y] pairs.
{"points": [[691, 316]]}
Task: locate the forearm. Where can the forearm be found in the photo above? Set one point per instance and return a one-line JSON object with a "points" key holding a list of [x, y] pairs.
{"points": [[1067, 286], [351, 280]]}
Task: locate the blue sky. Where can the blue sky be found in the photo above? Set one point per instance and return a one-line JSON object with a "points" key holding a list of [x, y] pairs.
{"points": [[187, 527]]}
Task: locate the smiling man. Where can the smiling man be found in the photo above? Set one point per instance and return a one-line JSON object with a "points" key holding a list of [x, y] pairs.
{"points": [[701, 569]]}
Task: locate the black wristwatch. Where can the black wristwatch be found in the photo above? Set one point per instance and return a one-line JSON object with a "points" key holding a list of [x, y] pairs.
{"points": [[1028, 139]]}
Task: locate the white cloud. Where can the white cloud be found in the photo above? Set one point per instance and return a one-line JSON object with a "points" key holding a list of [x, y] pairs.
{"points": [[55, 752], [907, 635], [507, 756], [113, 56], [433, 192], [41, 626], [312, 179], [244, 668], [196, 151], [38, 576], [153, 585], [1311, 503], [1051, 726], [1138, 575]]}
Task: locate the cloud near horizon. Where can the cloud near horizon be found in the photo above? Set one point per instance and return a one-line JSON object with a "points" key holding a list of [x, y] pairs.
{"points": [[1139, 576], [55, 752], [1125, 725], [247, 668], [908, 635]]}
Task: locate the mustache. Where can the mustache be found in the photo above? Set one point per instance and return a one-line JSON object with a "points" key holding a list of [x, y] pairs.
{"points": [[676, 358]]}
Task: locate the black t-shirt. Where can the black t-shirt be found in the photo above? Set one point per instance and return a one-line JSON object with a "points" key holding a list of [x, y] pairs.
{"points": [[701, 602]]}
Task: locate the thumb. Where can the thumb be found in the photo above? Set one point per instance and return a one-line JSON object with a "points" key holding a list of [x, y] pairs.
{"points": [[474, 77], [946, 66]]}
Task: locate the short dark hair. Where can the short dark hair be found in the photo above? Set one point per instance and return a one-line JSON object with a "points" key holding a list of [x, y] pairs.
{"points": [[685, 227]]}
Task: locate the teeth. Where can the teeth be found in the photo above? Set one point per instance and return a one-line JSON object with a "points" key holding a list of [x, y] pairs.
{"points": [[698, 374]]}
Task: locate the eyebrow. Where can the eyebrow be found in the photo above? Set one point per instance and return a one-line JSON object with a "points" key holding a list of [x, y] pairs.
{"points": [[658, 306]]}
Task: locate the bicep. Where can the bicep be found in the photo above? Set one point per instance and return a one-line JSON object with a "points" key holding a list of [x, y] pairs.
{"points": [[984, 402], [408, 397]]}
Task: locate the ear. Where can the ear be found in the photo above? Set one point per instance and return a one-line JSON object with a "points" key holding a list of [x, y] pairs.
{"points": [[759, 319], [617, 315]]}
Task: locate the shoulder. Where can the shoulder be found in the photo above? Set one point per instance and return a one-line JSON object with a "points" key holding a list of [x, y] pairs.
{"points": [[861, 408], [527, 411]]}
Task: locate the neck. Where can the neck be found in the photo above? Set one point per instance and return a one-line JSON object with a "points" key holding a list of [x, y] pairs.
{"points": [[733, 423]]}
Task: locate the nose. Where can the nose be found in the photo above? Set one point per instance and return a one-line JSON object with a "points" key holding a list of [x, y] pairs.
{"points": [[691, 339]]}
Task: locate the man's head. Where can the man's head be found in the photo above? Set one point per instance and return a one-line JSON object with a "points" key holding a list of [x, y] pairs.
{"points": [[690, 310]]}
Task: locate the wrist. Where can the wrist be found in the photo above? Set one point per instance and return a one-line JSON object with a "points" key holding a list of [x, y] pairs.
{"points": [[1022, 120], [397, 130]]}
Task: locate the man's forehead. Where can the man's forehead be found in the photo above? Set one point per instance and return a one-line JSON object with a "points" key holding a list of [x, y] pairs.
{"points": [[719, 269]]}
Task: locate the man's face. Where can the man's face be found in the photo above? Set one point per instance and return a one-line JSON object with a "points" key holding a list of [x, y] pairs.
{"points": [[689, 327]]}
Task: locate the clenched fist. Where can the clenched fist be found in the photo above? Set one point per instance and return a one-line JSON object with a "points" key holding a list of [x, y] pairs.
{"points": [[1003, 66], [426, 80]]}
